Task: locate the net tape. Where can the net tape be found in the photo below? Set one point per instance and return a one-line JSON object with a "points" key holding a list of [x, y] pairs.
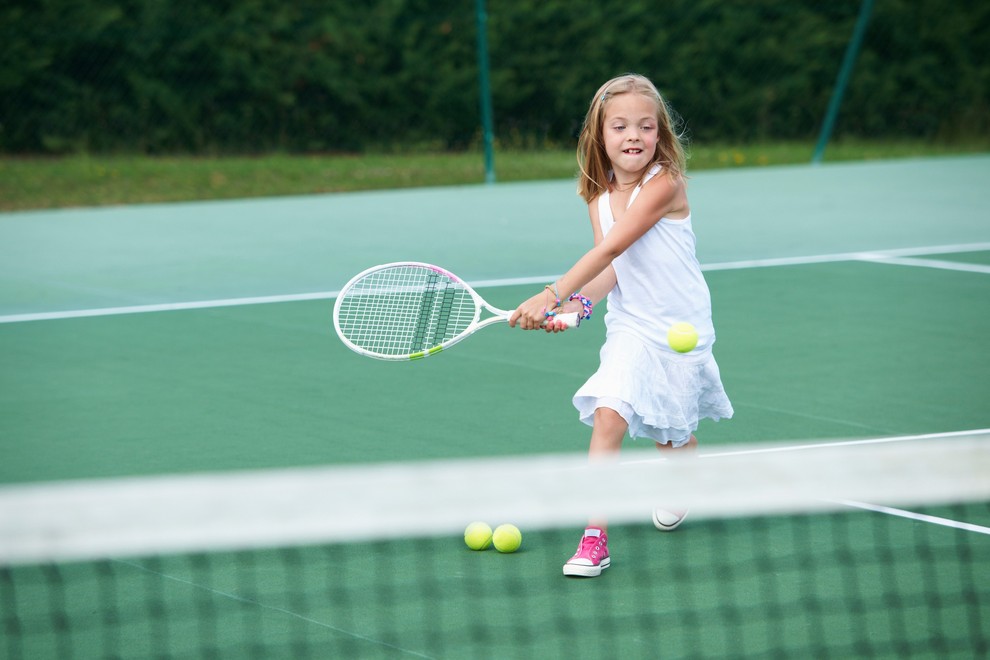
{"points": [[231, 511]]}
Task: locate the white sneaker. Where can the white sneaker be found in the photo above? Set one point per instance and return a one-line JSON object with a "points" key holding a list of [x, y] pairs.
{"points": [[667, 521]]}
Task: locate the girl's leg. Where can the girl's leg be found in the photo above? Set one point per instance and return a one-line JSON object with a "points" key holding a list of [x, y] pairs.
{"points": [[684, 450], [668, 518], [592, 556], [606, 442]]}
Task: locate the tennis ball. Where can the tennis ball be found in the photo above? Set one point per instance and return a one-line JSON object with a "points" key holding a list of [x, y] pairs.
{"points": [[478, 536], [507, 538], [682, 337]]}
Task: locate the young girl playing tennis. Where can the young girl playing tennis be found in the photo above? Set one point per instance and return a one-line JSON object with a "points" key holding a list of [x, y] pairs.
{"points": [[632, 176]]}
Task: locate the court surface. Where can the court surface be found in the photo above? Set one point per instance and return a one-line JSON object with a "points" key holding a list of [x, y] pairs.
{"points": [[850, 301]]}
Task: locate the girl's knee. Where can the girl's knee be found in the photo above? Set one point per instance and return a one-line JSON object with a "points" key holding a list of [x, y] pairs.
{"points": [[609, 420]]}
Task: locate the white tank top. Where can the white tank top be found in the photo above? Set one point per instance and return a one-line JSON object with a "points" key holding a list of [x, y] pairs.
{"points": [[659, 281]]}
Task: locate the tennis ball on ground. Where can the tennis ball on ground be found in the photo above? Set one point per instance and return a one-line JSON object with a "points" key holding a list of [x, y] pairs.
{"points": [[507, 538], [682, 337], [478, 536]]}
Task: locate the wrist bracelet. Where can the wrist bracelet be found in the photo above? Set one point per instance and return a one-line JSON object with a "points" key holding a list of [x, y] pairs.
{"points": [[556, 298], [585, 303]]}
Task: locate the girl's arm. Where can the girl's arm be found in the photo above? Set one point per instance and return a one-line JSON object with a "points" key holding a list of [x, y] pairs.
{"points": [[596, 290], [658, 197]]}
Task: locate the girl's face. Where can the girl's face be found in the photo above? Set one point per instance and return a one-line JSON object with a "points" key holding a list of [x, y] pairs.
{"points": [[630, 134]]}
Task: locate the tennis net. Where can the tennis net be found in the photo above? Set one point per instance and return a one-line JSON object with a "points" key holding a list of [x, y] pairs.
{"points": [[871, 548]]}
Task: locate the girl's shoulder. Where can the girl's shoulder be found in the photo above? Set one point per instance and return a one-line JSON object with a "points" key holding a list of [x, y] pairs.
{"points": [[657, 172], [666, 194], [658, 180]]}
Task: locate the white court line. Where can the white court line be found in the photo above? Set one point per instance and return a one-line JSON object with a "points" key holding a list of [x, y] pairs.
{"points": [[825, 445], [271, 608], [166, 307], [847, 443], [911, 515], [891, 511], [848, 256], [927, 263], [876, 255]]}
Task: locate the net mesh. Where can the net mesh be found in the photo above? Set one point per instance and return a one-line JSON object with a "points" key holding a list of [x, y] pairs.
{"points": [[369, 561]]}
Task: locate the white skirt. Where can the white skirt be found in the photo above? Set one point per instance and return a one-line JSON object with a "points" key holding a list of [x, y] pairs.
{"points": [[660, 396]]}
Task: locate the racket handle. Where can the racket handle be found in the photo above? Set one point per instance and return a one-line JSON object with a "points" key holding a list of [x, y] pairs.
{"points": [[572, 319]]}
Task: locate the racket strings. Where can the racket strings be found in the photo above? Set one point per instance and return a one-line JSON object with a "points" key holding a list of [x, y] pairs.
{"points": [[404, 310], [434, 312]]}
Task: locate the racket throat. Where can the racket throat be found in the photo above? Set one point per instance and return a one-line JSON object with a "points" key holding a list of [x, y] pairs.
{"points": [[433, 322]]}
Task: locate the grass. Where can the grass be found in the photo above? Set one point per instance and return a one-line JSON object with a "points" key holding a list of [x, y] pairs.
{"points": [[97, 180]]}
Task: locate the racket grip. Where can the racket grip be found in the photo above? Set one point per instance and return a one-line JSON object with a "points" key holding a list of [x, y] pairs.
{"points": [[572, 319]]}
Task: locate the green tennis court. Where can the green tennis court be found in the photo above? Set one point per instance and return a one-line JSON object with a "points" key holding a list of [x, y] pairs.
{"points": [[850, 301], [844, 338]]}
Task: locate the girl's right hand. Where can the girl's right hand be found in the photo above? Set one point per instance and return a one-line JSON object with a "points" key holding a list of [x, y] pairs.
{"points": [[530, 315], [554, 325]]}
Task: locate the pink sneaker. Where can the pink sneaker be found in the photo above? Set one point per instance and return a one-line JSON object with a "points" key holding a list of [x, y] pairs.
{"points": [[591, 557]]}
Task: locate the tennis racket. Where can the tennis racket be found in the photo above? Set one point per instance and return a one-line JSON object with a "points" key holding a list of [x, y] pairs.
{"points": [[410, 310]]}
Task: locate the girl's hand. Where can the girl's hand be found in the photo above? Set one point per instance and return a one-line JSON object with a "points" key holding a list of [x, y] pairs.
{"points": [[554, 325], [531, 315]]}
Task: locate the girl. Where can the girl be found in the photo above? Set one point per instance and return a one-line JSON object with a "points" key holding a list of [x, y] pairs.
{"points": [[632, 177]]}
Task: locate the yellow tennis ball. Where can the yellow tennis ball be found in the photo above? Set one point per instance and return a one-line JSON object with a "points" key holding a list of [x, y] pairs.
{"points": [[478, 536], [682, 337], [507, 538]]}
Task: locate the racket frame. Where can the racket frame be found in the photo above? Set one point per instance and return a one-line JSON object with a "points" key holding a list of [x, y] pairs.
{"points": [[480, 304]]}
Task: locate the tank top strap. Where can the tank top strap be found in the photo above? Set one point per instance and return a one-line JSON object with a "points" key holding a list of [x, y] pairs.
{"points": [[652, 172]]}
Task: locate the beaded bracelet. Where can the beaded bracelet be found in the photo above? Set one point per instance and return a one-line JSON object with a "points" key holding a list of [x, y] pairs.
{"points": [[551, 312], [585, 302]]}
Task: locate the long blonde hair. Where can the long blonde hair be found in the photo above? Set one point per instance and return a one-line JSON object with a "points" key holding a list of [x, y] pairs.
{"points": [[593, 160]]}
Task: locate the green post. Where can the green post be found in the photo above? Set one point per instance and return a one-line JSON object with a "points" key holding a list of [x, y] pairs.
{"points": [[486, 92], [852, 50]]}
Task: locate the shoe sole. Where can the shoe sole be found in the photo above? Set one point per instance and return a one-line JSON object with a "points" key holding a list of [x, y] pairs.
{"points": [[579, 570], [666, 528]]}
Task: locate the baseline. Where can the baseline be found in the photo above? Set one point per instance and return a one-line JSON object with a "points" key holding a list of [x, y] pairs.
{"points": [[894, 256]]}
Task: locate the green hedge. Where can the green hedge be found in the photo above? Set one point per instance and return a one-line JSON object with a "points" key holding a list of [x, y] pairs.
{"points": [[243, 76]]}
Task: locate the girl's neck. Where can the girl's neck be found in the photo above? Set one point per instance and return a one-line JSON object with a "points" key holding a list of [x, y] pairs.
{"points": [[624, 186], [624, 181]]}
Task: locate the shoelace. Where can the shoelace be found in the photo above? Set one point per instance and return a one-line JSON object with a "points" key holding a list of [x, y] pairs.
{"points": [[588, 543]]}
